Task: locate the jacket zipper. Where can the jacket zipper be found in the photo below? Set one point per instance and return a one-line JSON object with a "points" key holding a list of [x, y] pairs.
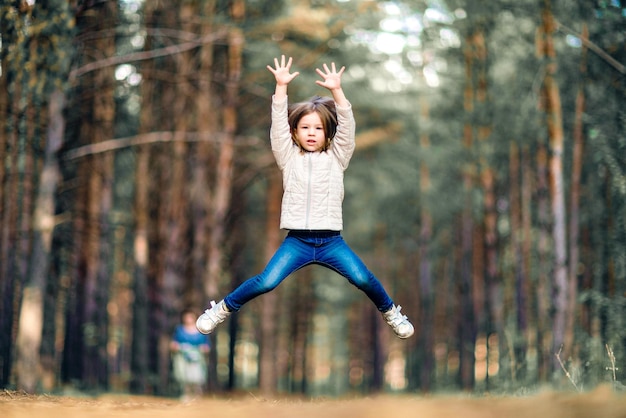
{"points": [[309, 186]]}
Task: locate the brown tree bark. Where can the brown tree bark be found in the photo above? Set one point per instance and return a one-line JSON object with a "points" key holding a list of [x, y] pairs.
{"points": [[23, 243], [304, 305], [8, 250], [207, 122], [268, 362], [31, 313], [574, 228], [427, 305], [222, 176], [522, 285], [175, 225], [99, 234], [221, 196], [554, 123], [4, 168], [466, 324], [543, 287], [72, 364], [139, 365], [525, 236], [140, 353]]}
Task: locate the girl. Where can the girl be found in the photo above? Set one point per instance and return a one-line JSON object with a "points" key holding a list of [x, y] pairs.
{"points": [[312, 143], [189, 355]]}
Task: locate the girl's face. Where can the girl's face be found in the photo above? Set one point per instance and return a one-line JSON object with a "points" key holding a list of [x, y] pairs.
{"points": [[189, 319], [310, 132]]}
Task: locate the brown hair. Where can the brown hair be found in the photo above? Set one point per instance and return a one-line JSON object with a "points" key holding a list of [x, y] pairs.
{"points": [[325, 108], [186, 311]]}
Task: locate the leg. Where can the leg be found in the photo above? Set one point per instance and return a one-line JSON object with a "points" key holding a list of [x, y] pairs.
{"points": [[290, 256], [338, 256]]}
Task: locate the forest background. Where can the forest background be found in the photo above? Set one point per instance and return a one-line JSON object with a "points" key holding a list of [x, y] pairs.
{"points": [[488, 193]]}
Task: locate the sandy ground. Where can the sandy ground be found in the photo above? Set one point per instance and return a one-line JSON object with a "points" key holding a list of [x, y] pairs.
{"points": [[601, 403]]}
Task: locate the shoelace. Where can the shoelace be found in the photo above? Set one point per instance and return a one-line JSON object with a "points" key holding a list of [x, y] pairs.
{"points": [[396, 317], [215, 314]]}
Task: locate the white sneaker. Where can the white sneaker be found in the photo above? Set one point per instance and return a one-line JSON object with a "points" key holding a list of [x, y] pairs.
{"points": [[400, 323], [213, 316]]}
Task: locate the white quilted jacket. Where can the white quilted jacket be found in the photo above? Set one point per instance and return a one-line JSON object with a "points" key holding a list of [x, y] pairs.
{"points": [[312, 181]]}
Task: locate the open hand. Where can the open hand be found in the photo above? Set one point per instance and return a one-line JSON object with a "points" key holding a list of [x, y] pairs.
{"points": [[281, 71], [332, 77]]}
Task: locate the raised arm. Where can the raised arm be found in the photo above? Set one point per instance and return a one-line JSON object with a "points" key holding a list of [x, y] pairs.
{"points": [[281, 71], [332, 81]]}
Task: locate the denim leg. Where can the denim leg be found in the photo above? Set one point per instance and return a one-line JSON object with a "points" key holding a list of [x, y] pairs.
{"points": [[290, 256], [337, 255]]}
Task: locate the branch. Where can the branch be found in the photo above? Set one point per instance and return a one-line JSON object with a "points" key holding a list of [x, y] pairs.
{"points": [[558, 357], [595, 48], [612, 359], [374, 136], [145, 55], [149, 138]]}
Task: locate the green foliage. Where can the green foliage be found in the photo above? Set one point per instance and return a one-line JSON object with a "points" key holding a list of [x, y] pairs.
{"points": [[38, 46]]}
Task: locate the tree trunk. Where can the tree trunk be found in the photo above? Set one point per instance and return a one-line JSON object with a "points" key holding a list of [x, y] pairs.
{"points": [[467, 326], [555, 134], [302, 304], [72, 365], [99, 211], [224, 167], [139, 363], [8, 234], [543, 288], [521, 279], [427, 305], [268, 362], [140, 352], [379, 345], [574, 228], [31, 313], [6, 305], [23, 171], [526, 238], [176, 226], [207, 122], [223, 174]]}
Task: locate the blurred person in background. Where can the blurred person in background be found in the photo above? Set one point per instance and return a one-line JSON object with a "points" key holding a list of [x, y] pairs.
{"points": [[190, 351]]}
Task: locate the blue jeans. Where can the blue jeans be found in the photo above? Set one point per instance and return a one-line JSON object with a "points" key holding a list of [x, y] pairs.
{"points": [[301, 248]]}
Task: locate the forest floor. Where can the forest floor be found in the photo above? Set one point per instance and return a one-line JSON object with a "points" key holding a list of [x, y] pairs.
{"points": [[600, 403]]}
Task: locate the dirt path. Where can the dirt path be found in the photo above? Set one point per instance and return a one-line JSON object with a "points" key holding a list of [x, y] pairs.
{"points": [[601, 403]]}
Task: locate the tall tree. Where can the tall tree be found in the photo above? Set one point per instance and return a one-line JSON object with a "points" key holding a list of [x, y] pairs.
{"points": [[543, 288], [268, 361], [467, 324], [221, 196], [174, 224], [39, 87], [13, 20], [32, 310], [554, 122], [207, 121], [427, 302], [102, 17], [140, 352], [207, 125], [574, 203]]}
